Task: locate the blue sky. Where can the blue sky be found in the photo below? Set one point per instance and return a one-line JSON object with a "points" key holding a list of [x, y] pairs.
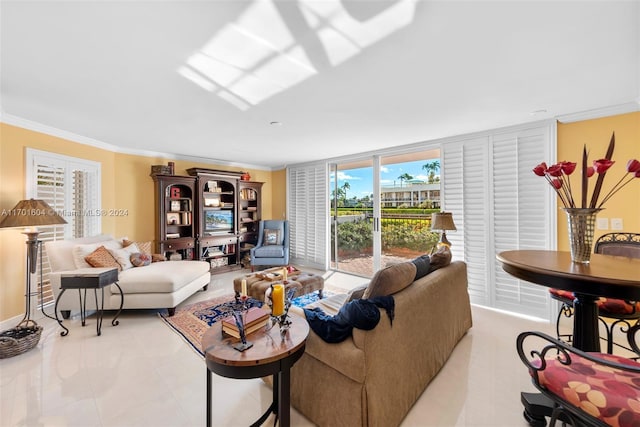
{"points": [[361, 182]]}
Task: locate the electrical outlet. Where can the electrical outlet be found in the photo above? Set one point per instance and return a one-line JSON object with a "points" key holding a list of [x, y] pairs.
{"points": [[616, 223], [603, 223]]}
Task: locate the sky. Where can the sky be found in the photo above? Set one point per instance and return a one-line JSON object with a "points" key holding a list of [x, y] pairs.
{"points": [[361, 180]]}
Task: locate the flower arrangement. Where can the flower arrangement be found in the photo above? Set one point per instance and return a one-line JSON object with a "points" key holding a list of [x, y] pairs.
{"points": [[558, 177]]}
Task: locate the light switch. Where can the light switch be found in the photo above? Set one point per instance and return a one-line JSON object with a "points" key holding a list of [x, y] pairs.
{"points": [[616, 223], [603, 223]]}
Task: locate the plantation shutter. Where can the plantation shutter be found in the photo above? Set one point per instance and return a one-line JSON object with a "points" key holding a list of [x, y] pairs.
{"points": [[71, 187], [307, 214], [465, 196], [497, 205], [521, 218]]}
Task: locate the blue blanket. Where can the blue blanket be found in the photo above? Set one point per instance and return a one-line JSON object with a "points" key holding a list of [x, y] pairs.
{"points": [[359, 313]]}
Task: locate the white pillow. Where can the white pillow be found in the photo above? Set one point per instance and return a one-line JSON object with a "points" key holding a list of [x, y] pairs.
{"points": [[81, 251], [123, 256]]}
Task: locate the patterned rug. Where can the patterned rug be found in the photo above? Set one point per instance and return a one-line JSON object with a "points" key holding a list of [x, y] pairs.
{"points": [[193, 320]]}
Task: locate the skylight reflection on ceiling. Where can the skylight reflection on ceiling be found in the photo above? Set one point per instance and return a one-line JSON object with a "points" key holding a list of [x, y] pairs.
{"points": [[257, 57], [343, 36]]}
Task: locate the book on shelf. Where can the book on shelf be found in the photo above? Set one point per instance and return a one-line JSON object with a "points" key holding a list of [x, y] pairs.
{"points": [[173, 235], [186, 218], [254, 319]]}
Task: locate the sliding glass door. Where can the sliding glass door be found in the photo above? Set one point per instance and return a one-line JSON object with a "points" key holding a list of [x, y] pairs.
{"points": [[381, 210], [352, 217], [409, 193]]}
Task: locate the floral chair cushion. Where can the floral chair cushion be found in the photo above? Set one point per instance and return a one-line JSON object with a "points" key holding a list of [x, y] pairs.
{"points": [[606, 306], [606, 393]]}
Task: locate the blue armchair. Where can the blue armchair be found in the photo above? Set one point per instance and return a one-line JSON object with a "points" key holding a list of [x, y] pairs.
{"points": [[273, 244]]}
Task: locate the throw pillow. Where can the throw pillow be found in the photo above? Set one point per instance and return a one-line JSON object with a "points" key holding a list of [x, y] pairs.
{"points": [[390, 280], [79, 252], [355, 293], [101, 257], [158, 258], [145, 247], [123, 256], [140, 259], [271, 237], [440, 259]]}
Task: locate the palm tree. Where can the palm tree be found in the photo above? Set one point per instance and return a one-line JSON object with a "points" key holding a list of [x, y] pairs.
{"points": [[344, 189], [432, 167], [404, 177]]}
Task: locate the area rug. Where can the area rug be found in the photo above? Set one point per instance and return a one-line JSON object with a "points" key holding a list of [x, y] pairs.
{"points": [[193, 320]]}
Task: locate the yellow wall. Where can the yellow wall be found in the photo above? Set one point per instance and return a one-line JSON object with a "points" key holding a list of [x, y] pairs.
{"points": [[126, 184], [596, 134]]}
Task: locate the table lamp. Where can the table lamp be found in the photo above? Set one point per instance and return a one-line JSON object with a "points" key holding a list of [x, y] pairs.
{"points": [[442, 221], [28, 214]]}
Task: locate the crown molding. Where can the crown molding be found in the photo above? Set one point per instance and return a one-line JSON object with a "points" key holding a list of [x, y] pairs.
{"points": [[80, 139], [597, 113]]}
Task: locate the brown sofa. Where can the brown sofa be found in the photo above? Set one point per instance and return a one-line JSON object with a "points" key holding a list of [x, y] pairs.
{"points": [[374, 377]]}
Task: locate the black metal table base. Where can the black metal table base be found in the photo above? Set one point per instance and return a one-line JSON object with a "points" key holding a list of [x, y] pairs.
{"points": [[83, 308], [279, 396]]}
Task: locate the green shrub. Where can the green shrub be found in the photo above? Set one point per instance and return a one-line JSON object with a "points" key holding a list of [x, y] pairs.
{"points": [[411, 235], [355, 236], [414, 235]]}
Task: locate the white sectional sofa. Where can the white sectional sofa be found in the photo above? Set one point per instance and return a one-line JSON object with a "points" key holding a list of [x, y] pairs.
{"points": [[163, 284]]}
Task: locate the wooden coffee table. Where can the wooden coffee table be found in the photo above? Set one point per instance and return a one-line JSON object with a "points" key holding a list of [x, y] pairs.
{"points": [[270, 355]]}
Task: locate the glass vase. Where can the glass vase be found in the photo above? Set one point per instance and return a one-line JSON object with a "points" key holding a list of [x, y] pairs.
{"points": [[581, 223]]}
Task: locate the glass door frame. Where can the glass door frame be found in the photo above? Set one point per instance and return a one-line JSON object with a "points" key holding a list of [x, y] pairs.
{"points": [[368, 162]]}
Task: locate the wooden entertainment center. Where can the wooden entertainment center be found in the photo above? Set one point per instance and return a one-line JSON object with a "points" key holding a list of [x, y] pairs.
{"points": [[210, 215]]}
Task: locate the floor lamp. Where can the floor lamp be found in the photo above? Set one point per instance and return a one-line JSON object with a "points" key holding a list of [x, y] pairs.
{"points": [[442, 221], [28, 214]]}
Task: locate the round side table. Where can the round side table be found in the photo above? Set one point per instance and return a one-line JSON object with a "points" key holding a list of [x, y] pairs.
{"points": [[270, 355]]}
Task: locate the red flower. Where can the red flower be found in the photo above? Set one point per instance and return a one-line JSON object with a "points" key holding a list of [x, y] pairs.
{"points": [[540, 169], [633, 166], [557, 176], [602, 165], [568, 167], [555, 170]]}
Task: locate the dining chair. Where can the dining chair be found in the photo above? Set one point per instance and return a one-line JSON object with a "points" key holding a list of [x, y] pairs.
{"points": [[586, 388], [613, 313]]}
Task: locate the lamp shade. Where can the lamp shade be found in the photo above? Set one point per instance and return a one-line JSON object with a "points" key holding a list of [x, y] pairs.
{"points": [[30, 213], [442, 221]]}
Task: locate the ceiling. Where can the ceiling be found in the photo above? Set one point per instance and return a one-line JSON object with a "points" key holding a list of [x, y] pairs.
{"points": [[267, 83]]}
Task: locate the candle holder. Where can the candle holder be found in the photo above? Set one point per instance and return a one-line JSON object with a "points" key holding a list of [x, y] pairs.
{"points": [[239, 309], [243, 345], [283, 320]]}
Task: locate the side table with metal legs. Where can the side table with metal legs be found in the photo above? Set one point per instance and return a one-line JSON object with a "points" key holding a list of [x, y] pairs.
{"points": [[82, 280]]}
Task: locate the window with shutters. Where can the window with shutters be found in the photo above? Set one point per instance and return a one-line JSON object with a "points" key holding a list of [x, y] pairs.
{"points": [[498, 205], [496, 201], [71, 186], [308, 214]]}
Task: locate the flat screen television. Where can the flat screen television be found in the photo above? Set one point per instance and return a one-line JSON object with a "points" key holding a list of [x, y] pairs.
{"points": [[218, 221]]}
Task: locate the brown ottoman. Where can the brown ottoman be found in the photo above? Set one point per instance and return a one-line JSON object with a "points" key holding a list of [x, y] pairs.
{"points": [[258, 283]]}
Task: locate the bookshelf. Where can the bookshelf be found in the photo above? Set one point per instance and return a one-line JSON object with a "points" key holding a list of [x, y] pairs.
{"points": [[226, 215], [174, 223]]}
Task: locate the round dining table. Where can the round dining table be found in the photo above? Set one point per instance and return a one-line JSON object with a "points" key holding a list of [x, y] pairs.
{"points": [[604, 276]]}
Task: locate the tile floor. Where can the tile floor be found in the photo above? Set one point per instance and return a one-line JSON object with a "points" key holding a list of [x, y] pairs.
{"points": [[141, 373]]}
